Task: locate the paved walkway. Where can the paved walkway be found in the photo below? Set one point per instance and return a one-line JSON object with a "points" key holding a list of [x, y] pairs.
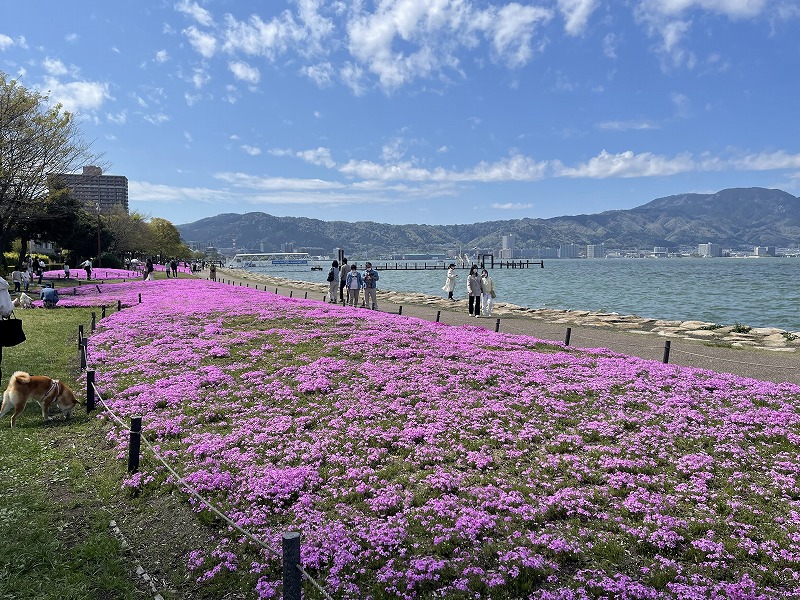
{"points": [[765, 354]]}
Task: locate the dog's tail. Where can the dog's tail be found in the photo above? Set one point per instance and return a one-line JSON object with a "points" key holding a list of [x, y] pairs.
{"points": [[20, 376]]}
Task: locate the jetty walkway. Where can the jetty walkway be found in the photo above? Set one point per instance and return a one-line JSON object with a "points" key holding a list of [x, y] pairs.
{"points": [[767, 354]]}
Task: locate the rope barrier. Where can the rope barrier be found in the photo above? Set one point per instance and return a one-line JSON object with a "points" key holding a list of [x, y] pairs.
{"points": [[188, 488], [751, 364]]}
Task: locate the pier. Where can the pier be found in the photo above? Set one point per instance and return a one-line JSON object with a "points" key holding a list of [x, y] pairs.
{"points": [[423, 266]]}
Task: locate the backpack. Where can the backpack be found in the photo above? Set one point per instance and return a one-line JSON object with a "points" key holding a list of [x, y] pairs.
{"points": [[330, 274]]}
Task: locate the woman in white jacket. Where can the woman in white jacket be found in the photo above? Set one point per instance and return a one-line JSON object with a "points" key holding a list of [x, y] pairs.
{"points": [[488, 293], [450, 282]]}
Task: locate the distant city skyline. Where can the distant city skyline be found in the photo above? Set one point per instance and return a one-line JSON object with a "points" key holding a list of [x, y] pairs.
{"points": [[420, 111]]}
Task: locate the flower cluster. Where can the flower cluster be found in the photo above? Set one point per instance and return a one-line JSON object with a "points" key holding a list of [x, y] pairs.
{"points": [[421, 460]]}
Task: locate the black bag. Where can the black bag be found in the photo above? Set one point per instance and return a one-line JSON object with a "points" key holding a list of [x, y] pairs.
{"points": [[330, 274], [11, 332]]}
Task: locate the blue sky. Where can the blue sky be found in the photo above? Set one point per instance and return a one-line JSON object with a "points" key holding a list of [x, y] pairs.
{"points": [[420, 111]]}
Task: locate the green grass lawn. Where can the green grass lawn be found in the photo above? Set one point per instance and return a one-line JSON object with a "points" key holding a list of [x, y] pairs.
{"points": [[55, 530]]}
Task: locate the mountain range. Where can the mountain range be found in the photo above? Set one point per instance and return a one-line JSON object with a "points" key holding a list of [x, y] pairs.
{"points": [[735, 218]]}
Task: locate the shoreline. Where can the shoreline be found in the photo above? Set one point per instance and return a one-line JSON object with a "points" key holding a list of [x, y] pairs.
{"points": [[736, 336]]}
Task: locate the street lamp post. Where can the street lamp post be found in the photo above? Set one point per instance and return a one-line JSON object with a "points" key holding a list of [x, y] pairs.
{"points": [[99, 260]]}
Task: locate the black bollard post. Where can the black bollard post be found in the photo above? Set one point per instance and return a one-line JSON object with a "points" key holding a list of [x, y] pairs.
{"points": [[438, 314], [140, 298], [400, 311], [567, 336], [119, 305], [497, 326], [134, 443], [292, 579], [276, 290], [83, 353], [89, 391], [80, 337], [103, 311], [667, 344], [305, 297], [290, 293]]}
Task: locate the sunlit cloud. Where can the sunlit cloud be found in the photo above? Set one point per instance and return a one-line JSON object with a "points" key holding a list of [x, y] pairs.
{"points": [[511, 206], [244, 72], [195, 11]]}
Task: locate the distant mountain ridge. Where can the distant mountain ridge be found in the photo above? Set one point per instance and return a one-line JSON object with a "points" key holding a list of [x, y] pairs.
{"points": [[733, 218]]}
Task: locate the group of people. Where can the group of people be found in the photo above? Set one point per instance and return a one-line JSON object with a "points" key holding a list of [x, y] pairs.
{"points": [[23, 275], [480, 289], [344, 277]]}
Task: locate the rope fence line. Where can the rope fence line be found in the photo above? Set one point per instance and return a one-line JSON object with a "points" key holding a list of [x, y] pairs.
{"points": [[291, 540]]}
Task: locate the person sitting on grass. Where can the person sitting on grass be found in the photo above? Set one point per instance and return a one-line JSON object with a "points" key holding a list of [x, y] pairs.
{"points": [[49, 296]]}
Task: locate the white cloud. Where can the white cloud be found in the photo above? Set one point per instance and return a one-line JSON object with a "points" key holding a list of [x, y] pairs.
{"points": [[319, 156], [610, 46], [632, 125], [71, 37], [244, 72], [244, 180], [204, 43], [196, 12], [5, 42], [321, 73], [251, 150], [511, 206], [628, 164], [162, 56], [55, 67], [117, 119], [512, 32], [576, 14], [145, 191], [76, 95], [156, 119]]}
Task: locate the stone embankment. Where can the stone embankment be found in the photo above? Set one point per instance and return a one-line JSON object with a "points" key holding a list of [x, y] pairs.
{"points": [[736, 336]]}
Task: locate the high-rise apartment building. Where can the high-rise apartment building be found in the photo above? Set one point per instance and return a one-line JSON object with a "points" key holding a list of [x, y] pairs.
{"points": [[94, 189], [709, 249], [595, 251], [507, 250]]}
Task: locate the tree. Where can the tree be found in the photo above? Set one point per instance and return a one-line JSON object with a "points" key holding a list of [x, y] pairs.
{"points": [[166, 240], [37, 139], [131, 233]]}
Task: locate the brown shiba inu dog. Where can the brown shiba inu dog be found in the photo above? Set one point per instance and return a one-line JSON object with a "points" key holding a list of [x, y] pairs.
{"points": [[23, 387]]}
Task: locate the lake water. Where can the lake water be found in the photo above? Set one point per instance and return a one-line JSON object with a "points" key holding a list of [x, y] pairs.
{"points": [[761, 292]]}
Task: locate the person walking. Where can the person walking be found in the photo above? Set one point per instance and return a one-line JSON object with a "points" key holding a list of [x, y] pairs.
{"points": [[333, 281], [354, 281], [16, 278], [371, 278], [488, 293], [148, 270], [66, 270], [344, 272], [87, 266], [173, 264], [450, 283], [475, 291], [212, 271]]}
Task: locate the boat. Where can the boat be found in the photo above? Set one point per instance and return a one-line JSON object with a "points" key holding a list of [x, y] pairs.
{"points": [[259, 260]]}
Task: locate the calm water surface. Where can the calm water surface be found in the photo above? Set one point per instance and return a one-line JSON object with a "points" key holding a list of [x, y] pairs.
{"points": [[757, 292]]}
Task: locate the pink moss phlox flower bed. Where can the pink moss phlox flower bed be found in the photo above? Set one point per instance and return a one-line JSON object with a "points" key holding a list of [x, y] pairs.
{"points": [[87, 295], [420, 460]]}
